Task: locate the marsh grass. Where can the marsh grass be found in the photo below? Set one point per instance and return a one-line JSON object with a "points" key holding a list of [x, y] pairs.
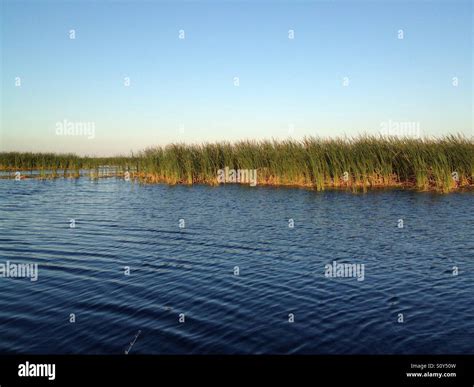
{"points": [[356, 164]]}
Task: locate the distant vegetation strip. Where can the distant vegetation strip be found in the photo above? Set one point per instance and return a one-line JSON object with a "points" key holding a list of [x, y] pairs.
{"points": [[441, 164]]}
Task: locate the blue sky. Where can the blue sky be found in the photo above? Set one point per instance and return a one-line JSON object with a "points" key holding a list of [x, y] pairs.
{"points": [[183, 89]]}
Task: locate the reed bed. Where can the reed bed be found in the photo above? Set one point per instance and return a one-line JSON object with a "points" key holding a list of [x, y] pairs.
{"points": [[442, 164]]}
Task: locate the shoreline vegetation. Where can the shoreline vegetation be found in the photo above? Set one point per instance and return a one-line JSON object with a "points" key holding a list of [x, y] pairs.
{"points": [[442, 164]]}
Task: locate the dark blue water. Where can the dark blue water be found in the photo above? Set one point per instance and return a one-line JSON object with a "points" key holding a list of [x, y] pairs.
{"points": [[190, 270]]}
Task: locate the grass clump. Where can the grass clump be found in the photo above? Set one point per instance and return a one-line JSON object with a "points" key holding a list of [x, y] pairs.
{"points": [[441, 164]]}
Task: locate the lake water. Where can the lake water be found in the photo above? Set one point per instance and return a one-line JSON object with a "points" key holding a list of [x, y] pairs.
{"points": [[421, 274]]}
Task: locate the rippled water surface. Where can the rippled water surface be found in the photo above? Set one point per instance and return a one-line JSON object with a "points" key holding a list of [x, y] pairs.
{"points": [[190, 270]]}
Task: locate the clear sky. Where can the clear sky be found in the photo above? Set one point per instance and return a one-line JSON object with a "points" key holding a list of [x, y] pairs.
{"points": [[346, 71]]}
